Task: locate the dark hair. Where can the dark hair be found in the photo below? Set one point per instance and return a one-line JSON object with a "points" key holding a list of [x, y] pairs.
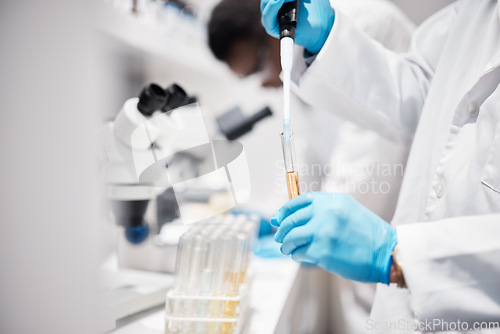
{"points": [[233, 20]]}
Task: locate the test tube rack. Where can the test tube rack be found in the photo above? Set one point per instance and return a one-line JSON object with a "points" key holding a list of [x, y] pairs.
{"points": [[212, 280], [196, 324]]}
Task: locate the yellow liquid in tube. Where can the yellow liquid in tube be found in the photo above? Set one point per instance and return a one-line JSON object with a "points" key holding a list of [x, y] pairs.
{"points": [[231, 309], [292, 183], [216, 307]]}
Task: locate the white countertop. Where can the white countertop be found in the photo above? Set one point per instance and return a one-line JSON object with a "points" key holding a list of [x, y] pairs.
{"points": [[272, 282]]}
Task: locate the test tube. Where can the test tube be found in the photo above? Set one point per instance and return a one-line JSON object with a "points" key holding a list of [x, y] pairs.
{"points": [[233, 281], [250, 230], [182, 263], [245, 229], [181, 283], [292, 177], [213, 255], [220, 277]]}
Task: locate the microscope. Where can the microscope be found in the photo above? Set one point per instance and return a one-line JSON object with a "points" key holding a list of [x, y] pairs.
{"points": [[142, 130], [161, 166]]}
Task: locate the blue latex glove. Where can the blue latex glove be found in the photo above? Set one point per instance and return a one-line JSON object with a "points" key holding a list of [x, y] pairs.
{"points": [[338, 234], [268, 249], [313, 24]]}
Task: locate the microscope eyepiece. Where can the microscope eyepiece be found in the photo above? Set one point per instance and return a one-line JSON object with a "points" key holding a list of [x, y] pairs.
{"points": [[152, 98], [175, 97]]}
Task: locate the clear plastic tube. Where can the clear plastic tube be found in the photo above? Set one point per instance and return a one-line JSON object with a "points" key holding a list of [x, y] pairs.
{"points": [[213, 251], [249, 229], [234, 279], [292, 177], [181, 284], [197, 261], [221, 279], [182, 264]]}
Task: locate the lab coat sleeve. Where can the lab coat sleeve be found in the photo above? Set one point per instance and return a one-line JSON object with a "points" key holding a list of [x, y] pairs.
{"points": [[452, 268], [386, 89]]}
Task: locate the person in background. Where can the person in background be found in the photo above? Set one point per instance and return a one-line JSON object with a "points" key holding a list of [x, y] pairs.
{"points": [[237, 38], [346, 153]]}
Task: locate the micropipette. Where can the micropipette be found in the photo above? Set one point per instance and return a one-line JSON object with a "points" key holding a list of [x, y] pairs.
{"points": [[287, 19]]}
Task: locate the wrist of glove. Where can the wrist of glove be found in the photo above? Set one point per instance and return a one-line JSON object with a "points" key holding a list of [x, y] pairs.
{"points": [[338, 234], [314, 22]]}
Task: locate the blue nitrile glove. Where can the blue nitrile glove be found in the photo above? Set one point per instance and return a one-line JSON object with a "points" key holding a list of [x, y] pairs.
{"points": [[313, 24], [266, 248], [338, 234]]}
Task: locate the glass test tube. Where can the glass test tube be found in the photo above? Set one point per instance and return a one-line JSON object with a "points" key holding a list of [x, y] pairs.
{"points": [[220, 278], [292, 177], [246, 229], [182, 263], [233, 281], [181, 280], [190, 307], [213, 254], [250, 231]]}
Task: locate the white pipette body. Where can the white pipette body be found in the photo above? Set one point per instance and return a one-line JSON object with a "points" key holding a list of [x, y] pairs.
{"points": [[286, 55]]}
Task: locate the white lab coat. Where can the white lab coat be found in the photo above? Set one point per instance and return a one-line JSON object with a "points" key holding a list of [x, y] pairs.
{"points": [[354, 159], [443, 98]]}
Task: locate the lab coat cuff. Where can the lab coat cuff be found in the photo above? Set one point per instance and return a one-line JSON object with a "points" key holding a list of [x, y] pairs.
{"points": [[411, 241]]}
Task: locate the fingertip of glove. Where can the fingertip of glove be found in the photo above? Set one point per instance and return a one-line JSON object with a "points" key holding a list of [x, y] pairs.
{"points": [[274, 221], [277, 237], [281, 250]]}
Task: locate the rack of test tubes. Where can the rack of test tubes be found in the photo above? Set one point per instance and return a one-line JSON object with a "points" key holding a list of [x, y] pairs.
{"points": [[209, 295]]}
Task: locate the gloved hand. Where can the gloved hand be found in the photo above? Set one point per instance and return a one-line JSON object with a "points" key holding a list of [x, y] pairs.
{"points": [[313, 24], [338, 234]]}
